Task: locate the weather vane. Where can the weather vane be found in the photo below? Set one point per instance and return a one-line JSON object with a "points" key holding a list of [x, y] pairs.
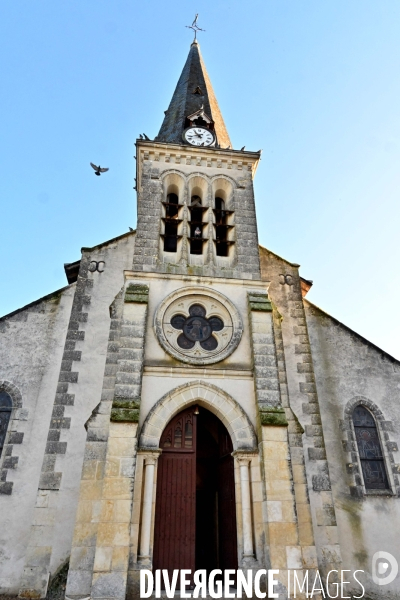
{"points": [[195, 27]]}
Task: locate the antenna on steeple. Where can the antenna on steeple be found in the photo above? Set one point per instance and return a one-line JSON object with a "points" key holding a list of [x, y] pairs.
{"points": [[195, 27]]}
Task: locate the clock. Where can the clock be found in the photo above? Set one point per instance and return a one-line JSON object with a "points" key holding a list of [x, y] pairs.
{"points": [[199, 136]]}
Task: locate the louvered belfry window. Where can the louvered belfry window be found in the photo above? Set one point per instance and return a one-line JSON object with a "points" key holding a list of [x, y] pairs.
{"points": [[370, 450], [171, 223], [5, 414]]}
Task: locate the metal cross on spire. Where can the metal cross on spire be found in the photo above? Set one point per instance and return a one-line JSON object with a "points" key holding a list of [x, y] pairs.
{"points": [[195, 27]]}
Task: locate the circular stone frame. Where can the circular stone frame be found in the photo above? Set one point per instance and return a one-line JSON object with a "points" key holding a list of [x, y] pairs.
{"points": [[216, 304]]}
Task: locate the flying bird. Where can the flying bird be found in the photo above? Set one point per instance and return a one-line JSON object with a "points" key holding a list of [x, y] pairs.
{"points": [[98, 170]]}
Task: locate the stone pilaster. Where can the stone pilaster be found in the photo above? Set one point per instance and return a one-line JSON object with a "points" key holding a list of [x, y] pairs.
{"points": [[298, 472], [266, 376], [111, 557], [100, 548], [286, 505], [319, 485], [148, 219], [248, 258]]}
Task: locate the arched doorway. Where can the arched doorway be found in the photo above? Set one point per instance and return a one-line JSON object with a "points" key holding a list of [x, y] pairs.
{"points": [[195, 519]]}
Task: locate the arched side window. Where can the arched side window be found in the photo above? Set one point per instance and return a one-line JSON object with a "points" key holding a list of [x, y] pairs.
{"points": [[5, 414], [370, 450]]}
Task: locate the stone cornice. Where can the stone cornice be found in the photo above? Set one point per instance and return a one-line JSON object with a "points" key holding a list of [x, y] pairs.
{"points": [[215, 158]]}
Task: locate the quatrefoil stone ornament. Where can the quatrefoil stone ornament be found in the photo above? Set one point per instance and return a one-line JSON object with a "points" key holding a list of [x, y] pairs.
{"points": [[197, 328], [206, 327]]}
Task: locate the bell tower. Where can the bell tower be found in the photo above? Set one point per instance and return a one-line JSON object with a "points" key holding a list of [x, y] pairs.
{"points": [[196, 212]]}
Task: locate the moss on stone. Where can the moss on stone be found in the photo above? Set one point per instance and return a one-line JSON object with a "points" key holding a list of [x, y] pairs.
{"points": [[137, 293], [58, 583], [130, 415], [273, 416], [259, 301], [126, 403]]}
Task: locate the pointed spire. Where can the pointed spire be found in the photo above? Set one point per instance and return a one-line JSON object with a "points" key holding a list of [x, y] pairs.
{"points": [[192, 93]]}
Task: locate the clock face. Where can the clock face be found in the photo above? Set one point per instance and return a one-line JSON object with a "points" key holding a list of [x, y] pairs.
{"points": [[198, 136]]}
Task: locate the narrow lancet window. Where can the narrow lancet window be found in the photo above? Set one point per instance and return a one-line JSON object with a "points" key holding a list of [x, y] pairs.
{"points": [[196, 225], [171, 223], [370, 450], [5, 414], [221, 227]]}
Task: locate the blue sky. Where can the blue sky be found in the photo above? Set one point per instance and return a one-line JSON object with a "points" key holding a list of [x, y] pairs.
{"points": [[314, 84]]}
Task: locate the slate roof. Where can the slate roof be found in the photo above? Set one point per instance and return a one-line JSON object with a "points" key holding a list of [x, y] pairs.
{"points": [[185, 102]]}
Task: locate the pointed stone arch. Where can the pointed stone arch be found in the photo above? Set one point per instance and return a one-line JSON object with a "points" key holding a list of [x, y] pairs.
{"points": [[210, 397]]}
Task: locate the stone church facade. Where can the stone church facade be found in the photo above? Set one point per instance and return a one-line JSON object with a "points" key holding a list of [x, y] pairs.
{"points": [[181, 404]]}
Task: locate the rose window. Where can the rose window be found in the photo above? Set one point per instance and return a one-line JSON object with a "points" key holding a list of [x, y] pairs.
{"points": [[198, 325], [197, 328]]}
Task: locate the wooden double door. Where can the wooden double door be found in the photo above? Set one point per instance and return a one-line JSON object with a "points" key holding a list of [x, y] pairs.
{"points": [[195, 520]]}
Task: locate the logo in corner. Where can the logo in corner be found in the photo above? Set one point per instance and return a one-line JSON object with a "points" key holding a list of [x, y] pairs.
{"points": [[384, 568]]}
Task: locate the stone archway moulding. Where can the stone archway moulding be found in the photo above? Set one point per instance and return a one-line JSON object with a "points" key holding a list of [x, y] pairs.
{"points": [[14, 437], [350, 445], [212, 398], [13, 391]]}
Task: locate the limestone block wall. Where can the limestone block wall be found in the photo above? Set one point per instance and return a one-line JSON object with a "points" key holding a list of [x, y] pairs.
{"points": [[100, 545], [69, 388], [349, 370], [31, 347], [285, 293], [154, 162], [162, 285], [288, 532], [110, 568]]}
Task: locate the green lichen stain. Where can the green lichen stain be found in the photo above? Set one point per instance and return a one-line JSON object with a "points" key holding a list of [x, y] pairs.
{"points": [[273, 416], [56, 299], [121, 403], [259, 301], [126, 415], [137, 293], [58, 583], [353, 509]]}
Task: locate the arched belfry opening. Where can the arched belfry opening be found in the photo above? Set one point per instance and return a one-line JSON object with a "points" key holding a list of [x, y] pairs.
{"points": [[195, 518]]}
